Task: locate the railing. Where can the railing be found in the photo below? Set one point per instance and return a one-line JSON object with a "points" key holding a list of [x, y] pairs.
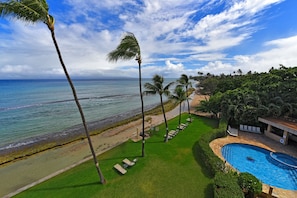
{"points": [[248, 128]]}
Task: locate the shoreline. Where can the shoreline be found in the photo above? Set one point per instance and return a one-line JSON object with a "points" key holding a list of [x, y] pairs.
{"points": [[30, 146], [19, 173]]}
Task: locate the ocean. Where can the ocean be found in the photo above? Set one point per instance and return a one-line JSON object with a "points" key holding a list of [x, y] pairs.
{"points": [[31, 110]]}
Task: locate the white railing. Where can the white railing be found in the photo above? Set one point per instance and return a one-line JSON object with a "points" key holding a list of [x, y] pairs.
{"points": [[248, 128]]}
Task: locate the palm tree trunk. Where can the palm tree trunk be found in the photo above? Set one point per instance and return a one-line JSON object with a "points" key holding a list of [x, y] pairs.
{"points": [[102, 180], [188, 102], [142, 108], [165, 120], [179, 118]]}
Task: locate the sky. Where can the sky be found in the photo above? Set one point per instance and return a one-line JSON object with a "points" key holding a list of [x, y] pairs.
{"points": [[176, 37]]}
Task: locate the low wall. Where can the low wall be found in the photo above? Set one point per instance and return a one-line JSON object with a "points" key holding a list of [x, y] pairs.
{"points": [[272, 136]]}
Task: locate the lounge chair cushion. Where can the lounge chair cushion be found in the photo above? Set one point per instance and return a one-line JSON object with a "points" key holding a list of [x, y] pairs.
{"points": [[128, 162], [120, 169]]}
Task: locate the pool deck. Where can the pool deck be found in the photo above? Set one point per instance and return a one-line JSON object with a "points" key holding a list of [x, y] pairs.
{"points": [[261, 141]]}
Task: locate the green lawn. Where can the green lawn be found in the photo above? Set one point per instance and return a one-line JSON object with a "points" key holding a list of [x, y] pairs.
{"points": [[167, 170]]}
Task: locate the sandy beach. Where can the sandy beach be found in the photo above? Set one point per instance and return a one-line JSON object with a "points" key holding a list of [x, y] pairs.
{"points": [[22, 174]]}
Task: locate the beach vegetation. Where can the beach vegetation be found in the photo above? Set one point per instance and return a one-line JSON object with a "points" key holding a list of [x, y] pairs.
{"points": [[129, 49], [243, 98], [38, 11], [157, 87]]}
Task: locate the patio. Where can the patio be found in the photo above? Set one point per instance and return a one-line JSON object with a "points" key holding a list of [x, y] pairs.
{"points": [[261, 141]]}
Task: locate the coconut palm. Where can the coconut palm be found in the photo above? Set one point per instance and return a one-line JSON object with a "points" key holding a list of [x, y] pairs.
{"points": [[179, 96], [157, 88], [126, 50], [185, 82], [37, 11]]}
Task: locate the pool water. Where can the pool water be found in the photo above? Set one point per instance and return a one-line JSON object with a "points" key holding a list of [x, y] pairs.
{"points": [[257, 161], [284, 159]]}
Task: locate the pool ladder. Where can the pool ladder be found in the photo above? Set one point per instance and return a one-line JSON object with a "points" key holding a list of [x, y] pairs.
{"points": [[227, 153]]}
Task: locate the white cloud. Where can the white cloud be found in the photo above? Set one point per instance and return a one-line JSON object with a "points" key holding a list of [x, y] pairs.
{"points": [[217, 67], [15, 68], [167, 31], [208, 56], [281, 51], [174, 67], [230, 27]]}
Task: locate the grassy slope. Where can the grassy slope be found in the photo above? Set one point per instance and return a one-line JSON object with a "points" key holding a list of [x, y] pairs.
{"points": [[167, 170]]}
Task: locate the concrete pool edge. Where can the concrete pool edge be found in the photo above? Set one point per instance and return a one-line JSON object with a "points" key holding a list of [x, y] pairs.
{"points": [[260, 141], [272, 155]]}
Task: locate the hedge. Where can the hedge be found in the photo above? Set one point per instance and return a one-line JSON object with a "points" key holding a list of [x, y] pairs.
{"points": [[250, 185], [226, 186], [208, 158]]}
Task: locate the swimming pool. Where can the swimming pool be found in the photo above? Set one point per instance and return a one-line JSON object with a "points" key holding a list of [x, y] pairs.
{"points": [[257, 161]]}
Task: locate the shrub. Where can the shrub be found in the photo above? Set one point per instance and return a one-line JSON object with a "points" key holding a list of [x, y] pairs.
{"points": [[250, 185], [226, 186], [206, 155]]}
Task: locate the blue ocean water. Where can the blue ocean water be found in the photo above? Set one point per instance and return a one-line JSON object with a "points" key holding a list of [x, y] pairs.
{"points": [[30, 108]]}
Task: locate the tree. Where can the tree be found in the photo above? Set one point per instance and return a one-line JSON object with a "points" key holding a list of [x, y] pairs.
{"points": [[211, 105], [179, 96], [157, 88], [208, 85], [126, 50], [37, 11], [185, 82]]}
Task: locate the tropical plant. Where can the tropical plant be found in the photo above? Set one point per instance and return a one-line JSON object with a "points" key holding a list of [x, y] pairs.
{"points": [[244, 98], [126, 50], [157, 88], [250, 185], [179, 96], [211, 105], [37, 11], [185, 82]]}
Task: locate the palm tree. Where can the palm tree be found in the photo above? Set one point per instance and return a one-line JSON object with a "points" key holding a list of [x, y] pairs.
{"points": [[179, 96], [37, 11], [157, 88], [126, 50], [185, 82]]}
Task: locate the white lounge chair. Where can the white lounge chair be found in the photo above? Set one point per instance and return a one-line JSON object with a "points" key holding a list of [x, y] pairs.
{"points": [[189, 119], [172, 133], [232, 131], [182, 126], [120, 169], [128, 162]]}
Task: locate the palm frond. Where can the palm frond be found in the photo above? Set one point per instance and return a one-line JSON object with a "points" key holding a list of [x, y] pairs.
{"points": [[168, 85], [179, 95], [126, 50], [27, 10], [157, 79], [149, 92], [150, 89]]}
